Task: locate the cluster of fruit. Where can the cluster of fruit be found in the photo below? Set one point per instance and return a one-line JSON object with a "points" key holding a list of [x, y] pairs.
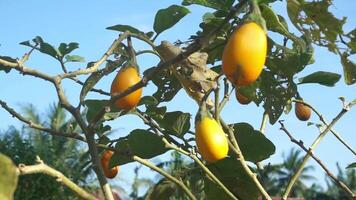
{"points": [[242, 62]]}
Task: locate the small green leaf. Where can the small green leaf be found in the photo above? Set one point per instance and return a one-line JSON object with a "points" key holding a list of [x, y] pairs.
{"points": [[148, 101], [65, 49], [8, 178], [142, 143], [351, 166], [156, 113], [74, 58], [177, 123], [48, 49], [349, 69], [146, 144], [6, 68], [215, 4], [248, 139], [123, 28], [94, 107], [323, 78], [166, 18]]}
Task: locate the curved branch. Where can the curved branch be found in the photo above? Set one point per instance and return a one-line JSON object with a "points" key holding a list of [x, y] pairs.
{"points": [[341, 184], [42, 168]]}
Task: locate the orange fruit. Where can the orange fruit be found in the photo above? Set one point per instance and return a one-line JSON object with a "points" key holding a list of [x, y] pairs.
{"points": [[126, 78], [105, 159], [241, 98], [210, 139], [245, 54], [302, 111]]}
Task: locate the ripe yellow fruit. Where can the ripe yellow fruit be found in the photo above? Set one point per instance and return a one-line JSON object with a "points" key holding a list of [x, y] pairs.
{"points": [[302, 111], [245, 54], [241, 98], [105, 159], [126, 78], [210, 139]]}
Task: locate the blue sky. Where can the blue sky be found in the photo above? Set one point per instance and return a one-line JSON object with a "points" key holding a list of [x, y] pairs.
{"points": [[85, 22]]}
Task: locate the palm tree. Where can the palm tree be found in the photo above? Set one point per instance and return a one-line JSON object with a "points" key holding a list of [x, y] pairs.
{"points": [[289, 167], [65, 155]]}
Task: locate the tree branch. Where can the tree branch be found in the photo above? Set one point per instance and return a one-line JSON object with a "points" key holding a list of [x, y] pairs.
{"points": [[309, 152], [42, 168], [312, 147], [322, 119], [38, 126]]}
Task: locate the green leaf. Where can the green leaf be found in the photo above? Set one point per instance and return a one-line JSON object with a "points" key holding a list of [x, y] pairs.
{"points": [[314, 19], [123, 28], [156, 113], [234, 177], [161, 190], [215, 4], [349, 69], [74, 58], [146, 144], [6, 68], [48, 49], [168, 17], [148, 101], [351, 166], [8, 178], [212, 191], [254, 145], [323, 78], [177, 123], [94, 107], [142, 143], [65, 49]]}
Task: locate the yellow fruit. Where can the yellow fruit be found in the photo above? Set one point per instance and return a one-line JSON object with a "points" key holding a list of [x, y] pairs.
{"points": [[126, 78], [302, 111], [210, 139], [105, 159], [241, 98], [245, 54]]}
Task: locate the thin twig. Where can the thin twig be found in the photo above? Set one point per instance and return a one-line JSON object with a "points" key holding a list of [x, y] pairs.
{"points": [[33, 125], [262, 130], [322, 119], [167, 175], [309, 152], [296, 175], [42, 168]]}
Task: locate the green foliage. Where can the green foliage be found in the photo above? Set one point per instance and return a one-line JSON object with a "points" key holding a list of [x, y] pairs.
{"points": [[94, 106], [248, 139], [65, 155], [9, 177], [168, 17], [176, 123], [142, 143], [3, 67], [59, 54], [322, 78]]}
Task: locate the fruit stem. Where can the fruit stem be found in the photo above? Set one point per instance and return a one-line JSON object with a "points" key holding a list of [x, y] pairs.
{"points": [[132, 53]]}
